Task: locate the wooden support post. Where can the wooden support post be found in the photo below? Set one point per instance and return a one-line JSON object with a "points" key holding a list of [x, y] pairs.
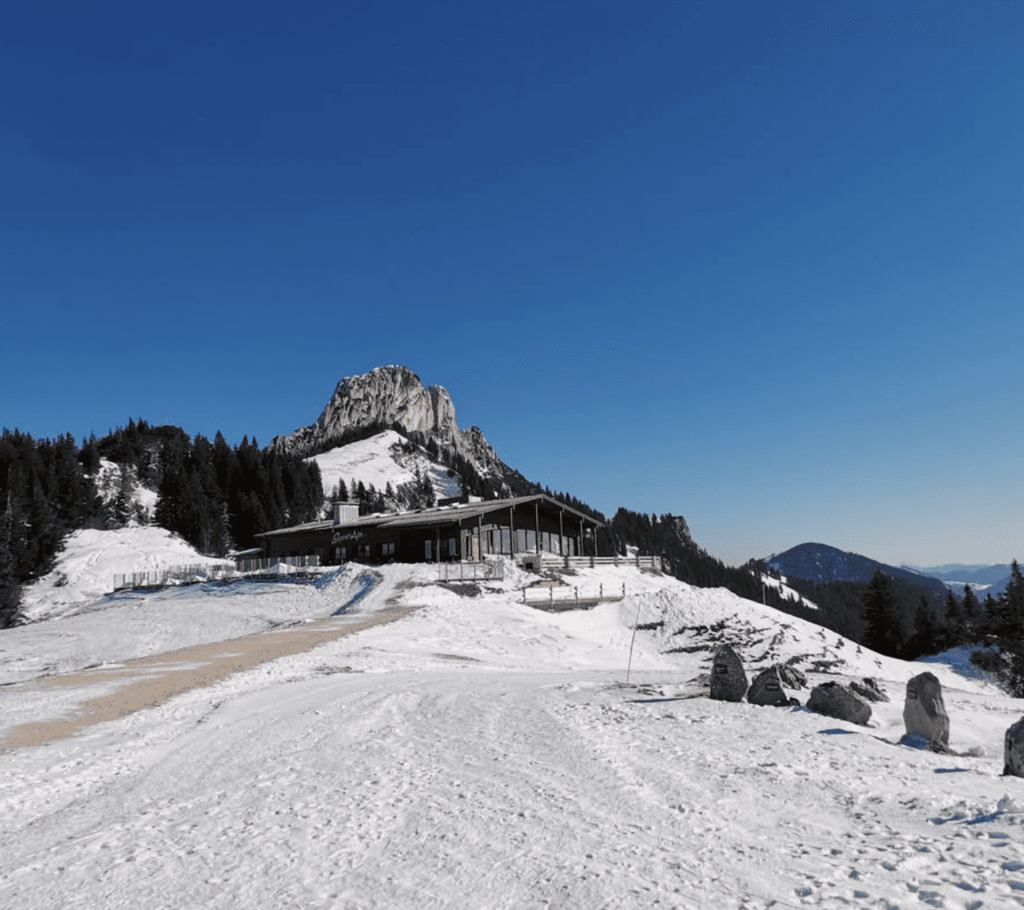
{"points": [[512, 530], [437, 544], [536, 523], [480, 536], [562, 548]]}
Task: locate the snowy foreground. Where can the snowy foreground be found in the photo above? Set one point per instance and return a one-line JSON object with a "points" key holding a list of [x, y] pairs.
{"points": [[479, 753]]}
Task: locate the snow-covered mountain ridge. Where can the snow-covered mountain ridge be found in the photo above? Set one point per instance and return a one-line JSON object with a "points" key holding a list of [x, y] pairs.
{"points": [[394, 397]]}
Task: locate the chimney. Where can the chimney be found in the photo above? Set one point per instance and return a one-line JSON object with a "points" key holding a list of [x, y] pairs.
{"points": [[344, 512]]}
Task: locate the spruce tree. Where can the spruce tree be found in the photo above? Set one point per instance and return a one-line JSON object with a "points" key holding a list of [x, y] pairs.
{"points": [[954, 621], [972, 613], [883, 625]]}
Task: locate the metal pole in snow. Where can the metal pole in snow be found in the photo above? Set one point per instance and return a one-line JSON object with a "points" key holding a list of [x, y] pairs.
{"points": [[633, 639]]}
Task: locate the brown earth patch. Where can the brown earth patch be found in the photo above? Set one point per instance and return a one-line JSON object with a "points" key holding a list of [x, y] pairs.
{"points": [[154, 680]]}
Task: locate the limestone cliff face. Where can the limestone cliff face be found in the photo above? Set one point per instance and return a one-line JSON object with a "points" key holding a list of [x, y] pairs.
{"points": [[393, 395]]}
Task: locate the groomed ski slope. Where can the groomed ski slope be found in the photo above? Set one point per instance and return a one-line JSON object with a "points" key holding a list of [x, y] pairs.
{"points": [[482, 754]]}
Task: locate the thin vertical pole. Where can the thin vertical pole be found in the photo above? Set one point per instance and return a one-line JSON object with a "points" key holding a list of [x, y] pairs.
{"points": [[636, 622]]}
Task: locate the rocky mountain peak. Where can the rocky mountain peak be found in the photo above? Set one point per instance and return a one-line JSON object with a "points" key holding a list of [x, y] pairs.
{"points": [[387, 396], [394, 397]]}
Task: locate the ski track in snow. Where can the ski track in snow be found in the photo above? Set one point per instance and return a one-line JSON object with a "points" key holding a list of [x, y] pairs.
{"points": [[476, 788], [480, 754]]}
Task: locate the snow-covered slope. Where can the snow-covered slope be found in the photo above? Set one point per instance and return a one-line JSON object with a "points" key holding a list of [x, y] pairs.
{"points": [[381, 460], [481, 753], [85, 568]]}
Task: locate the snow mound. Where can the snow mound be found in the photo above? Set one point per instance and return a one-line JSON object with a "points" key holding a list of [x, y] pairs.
{"points": [[85, 568]]}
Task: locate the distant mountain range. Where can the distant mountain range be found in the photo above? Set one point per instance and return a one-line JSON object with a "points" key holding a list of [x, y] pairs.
{"points": [[822, 564], [991, 578]]}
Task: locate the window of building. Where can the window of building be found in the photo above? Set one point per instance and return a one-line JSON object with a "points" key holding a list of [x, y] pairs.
{"points": [[387, 550]]}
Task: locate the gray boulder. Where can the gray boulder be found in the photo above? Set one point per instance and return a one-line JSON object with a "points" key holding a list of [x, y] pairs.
{"points": [[791, 677], [728, 678], [835, 700], [1014, 750], [869, 689], [924, 712], [768, 689]]}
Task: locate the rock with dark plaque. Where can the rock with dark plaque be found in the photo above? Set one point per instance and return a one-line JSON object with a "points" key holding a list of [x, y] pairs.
{"points": [[767, 688], [835, 700], [728, 678], [1014, 751], [924, 712], [869, 689]]}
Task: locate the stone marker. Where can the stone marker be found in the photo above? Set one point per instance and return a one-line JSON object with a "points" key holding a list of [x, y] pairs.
{"points": [[835, 700], [767, 689], [792, 678], [728, 679], [924, 712], [1014, 751], [869, 689]]}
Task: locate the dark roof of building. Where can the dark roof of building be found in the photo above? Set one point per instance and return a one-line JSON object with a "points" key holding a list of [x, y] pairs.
{"points": [[434, 516]]}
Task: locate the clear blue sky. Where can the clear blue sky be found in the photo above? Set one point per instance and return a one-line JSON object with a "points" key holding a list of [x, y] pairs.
{"points": [[759, 264]]}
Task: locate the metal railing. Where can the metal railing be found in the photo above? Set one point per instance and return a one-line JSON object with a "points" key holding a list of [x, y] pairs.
{"points": [[570, 597], [470, 571], [216, 571], [590, 562]]}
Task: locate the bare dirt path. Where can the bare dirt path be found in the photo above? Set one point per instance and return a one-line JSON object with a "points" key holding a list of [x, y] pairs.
{"points": [[147, 682]]}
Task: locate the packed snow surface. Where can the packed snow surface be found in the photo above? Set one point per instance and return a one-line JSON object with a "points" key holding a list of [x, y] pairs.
{"points": [[479, 753]]}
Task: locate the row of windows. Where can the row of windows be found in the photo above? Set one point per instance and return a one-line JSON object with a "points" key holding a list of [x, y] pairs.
{"points": [[493, 541]]}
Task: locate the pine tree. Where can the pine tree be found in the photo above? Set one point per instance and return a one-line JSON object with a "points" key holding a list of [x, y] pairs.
{"points": [[972, 613], [883, 625], [955, 630], [1010, 637], [10, 590]]}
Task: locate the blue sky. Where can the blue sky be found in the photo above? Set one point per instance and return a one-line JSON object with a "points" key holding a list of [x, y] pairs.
{"points": [[759, 264]]}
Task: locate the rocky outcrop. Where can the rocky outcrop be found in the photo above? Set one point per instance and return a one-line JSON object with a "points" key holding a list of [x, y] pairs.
{"points": [[791, 677], [869, 690], [394, 397], [386, 396]]}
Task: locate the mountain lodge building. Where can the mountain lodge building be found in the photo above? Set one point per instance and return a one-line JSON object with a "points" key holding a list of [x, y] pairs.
{"points": [[465, 529]]}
